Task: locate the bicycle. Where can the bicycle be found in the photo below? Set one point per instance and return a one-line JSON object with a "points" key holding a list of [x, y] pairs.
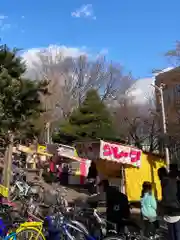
{"points": [[4, 231], [9, 224], [99, 227], [30, 230], [59, 228], [11, 236], [23, 189], [26, 230]]}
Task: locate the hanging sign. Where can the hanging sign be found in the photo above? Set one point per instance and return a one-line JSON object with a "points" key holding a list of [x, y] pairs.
{"points": [[119, 153]]}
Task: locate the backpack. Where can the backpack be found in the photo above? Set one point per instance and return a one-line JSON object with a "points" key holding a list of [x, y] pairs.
{"points": [[117, 204]]}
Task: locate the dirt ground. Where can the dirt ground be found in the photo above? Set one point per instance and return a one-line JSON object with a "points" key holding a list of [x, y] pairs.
{"points": [[75, 192]]}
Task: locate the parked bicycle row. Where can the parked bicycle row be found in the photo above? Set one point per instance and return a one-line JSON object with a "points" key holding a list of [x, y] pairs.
{"points": [[51, 211], [75, 222], [57, 220]]}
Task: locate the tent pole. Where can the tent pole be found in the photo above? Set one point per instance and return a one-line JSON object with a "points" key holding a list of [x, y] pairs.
{"points": [[123, 187]]}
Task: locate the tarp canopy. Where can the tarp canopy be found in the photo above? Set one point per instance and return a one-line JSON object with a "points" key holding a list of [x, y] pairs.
{"points": [[66, 151], [41, 150], [71, 157]]}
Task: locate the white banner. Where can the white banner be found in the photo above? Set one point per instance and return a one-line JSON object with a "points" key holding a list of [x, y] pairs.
{"points": [[120, 153], [66, 150]]}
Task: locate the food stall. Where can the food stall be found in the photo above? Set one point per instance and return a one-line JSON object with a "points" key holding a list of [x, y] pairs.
{"points": [[34, 154], [79, 166], [67, 155], [125, 166]]}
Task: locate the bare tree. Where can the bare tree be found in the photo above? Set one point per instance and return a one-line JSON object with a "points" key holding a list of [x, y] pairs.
{"points": [[138, 124], [82, 74], [70, 78], [173, 58], [173, 55]]}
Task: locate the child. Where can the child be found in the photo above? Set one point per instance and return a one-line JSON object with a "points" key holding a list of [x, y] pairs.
{"points": [[149, 210]]}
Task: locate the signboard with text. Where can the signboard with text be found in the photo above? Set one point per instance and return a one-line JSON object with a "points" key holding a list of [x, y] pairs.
{"points": [[120, 153], [66, 150]]}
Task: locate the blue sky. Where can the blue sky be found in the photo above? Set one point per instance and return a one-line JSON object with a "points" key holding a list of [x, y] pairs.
{"points": [[134, 33]]}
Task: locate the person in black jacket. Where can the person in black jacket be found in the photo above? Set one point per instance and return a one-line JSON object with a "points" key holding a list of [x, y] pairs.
{"points": [[162, 173], [91, 178], [171, 202], [92, 173], [117, 205]]}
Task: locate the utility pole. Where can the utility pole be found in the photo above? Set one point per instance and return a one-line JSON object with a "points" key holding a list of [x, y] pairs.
{"points": [[48, 132], [8, 162], [160, 90]]}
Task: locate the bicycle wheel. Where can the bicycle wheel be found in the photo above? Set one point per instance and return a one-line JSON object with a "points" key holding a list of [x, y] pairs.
{"points": [[30, 234]]}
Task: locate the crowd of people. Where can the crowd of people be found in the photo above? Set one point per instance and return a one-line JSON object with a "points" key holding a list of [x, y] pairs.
{"points": [[170, 204], [61, 171], [168, 209]]}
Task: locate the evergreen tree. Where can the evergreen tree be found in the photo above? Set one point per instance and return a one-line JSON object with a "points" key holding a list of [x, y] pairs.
{"points": [[19, 97], [91, 120]]}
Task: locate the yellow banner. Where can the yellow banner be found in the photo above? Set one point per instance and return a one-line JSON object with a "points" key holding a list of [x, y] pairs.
{"points": [[42, 149], [25, 149], [3, 191]]}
